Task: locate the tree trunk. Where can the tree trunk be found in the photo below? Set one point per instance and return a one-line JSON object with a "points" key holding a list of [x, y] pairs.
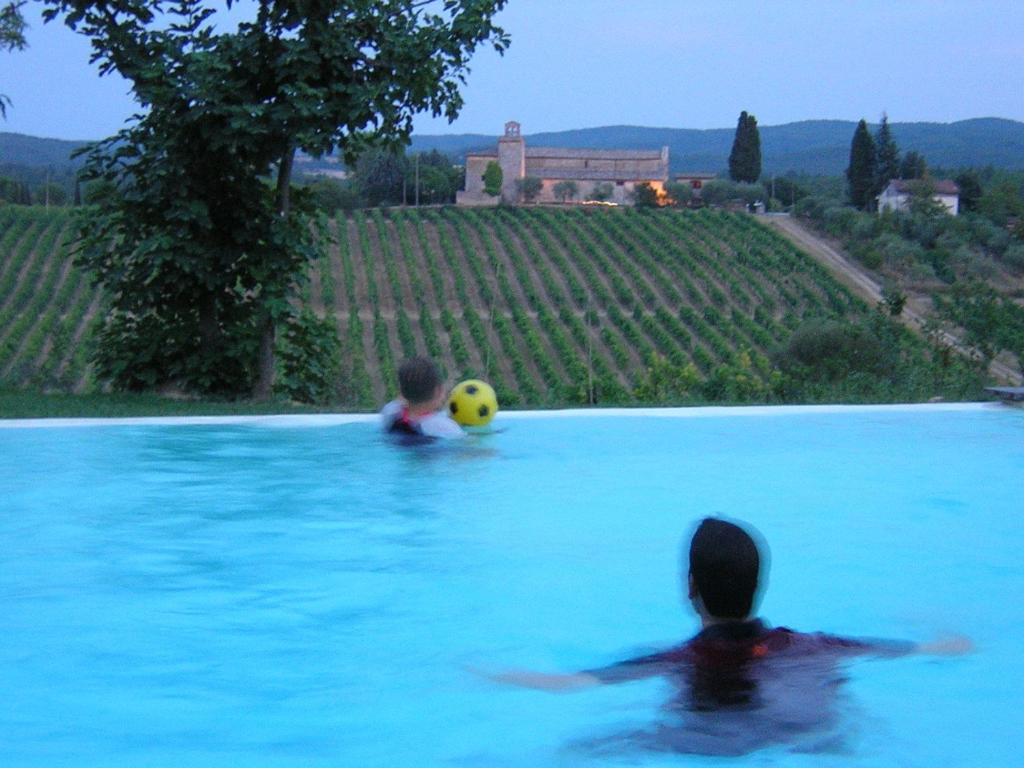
{"points": [[265, 360]]}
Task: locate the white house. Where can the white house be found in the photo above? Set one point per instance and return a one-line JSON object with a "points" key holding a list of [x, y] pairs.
{"points": [[896, 196]]}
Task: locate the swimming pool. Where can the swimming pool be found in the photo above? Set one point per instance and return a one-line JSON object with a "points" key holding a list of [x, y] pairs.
{"points": [[296, 592]]}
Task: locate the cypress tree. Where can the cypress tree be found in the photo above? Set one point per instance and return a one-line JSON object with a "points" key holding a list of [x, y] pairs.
{"points": [[745, 157], [887, 159], [861, 172]]}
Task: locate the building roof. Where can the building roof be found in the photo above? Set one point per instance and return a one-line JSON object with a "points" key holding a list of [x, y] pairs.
{"points": [[550, 153], [941, 186], [703, 175]]}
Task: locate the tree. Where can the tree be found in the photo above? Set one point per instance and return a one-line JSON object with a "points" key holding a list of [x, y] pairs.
{"points": [[645, 196], [887, 158], [860, 174], [565, 190], [12, 37], [50, 194], [970, 190], [431, 178], [745, 157], [680, 193], [493, 178], [602, 191], [210, 255], [379, 174], [913, 166], [529, 187]]}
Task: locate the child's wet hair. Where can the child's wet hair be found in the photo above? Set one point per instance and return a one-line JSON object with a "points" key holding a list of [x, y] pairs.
{"points": [[725, 565], [418, 380]]}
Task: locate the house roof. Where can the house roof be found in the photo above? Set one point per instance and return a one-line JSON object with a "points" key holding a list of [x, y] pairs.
{"points": [[549, 153], [563, 153], [941, 186]]}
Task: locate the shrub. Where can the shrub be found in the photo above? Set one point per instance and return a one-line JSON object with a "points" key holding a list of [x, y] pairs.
{"points": [[529, 187], [829, 350]]}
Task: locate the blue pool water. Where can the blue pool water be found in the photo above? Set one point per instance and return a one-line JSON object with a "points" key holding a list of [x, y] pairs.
{"points": [[284, 593]]}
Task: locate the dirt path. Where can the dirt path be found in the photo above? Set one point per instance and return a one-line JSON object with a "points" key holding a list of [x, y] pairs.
{"points": [[864, 285]]}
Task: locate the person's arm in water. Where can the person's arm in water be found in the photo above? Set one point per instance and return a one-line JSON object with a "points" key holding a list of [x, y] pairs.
{"points": [[953, 645], [649, 665], [542, 681]]}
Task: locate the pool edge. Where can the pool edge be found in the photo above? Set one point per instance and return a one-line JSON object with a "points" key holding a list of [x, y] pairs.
{"points": [[322, 420]]}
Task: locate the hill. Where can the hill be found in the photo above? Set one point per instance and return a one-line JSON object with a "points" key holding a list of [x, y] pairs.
{"points": [[553, 306], [819, 147]]}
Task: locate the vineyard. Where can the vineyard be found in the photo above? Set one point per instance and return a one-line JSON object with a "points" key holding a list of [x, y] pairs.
{"points": [[552, 306]]}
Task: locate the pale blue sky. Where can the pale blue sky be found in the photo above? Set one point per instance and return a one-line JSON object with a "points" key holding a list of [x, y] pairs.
{"points": [[675, 63]]}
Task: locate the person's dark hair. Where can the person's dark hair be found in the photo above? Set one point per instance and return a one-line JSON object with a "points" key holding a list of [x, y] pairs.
{"points": [[418, 379], [725, 566]]}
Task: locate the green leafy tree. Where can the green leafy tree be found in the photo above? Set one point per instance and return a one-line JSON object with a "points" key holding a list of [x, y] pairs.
{"points": [[861, 174], [745, 157], [913, 166], [887, 160], [380, 173], [679, 193], [493, 178], [602, 192], [431, 178], [211, 243], [565, 190], [330, 195], [50, 194], [1002, 202], [12, 37], [529, 188], [970, 190], [645, 196]]}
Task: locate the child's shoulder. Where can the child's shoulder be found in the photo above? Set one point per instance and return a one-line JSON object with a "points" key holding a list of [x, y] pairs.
{"points": [[440, 424]]}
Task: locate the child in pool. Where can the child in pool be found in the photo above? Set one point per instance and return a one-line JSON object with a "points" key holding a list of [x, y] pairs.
{"points": [[739, 685], [420, 411]]}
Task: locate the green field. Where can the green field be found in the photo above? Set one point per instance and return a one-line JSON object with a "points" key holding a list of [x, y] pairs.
{"points": [[554, 306]]}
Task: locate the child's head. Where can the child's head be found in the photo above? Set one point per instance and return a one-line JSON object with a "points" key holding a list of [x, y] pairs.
{"points": [[419, 381], [725, 570]]}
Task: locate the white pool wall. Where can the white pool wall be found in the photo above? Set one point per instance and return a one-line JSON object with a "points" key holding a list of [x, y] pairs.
{"points": [[334, 419]]}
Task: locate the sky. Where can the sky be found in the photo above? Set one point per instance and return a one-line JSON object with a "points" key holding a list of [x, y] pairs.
{"points": [[659, 63]]}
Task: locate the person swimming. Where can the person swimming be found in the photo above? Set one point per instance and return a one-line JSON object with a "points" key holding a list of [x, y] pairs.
{"points": [[419, 414], [738, 684]]}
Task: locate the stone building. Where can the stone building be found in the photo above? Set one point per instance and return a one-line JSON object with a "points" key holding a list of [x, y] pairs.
{"points": [[617, 171]]}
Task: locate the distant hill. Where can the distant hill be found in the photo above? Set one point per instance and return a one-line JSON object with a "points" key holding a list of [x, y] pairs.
{"points": [[810, 146], [20, 149]]}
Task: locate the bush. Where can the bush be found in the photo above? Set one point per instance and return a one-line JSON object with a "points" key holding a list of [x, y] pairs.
{"points": [[529, 187], [839, 220], [1013, 256], [308, 359], [829, 350]]}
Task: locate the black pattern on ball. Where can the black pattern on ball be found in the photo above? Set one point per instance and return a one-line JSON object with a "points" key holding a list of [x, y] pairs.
{"points": [[483, 411], [472, 389], [453, 406]]}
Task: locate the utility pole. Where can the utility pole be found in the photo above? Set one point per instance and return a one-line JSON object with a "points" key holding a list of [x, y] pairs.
{"points": [[590, 354], [417, 157]]}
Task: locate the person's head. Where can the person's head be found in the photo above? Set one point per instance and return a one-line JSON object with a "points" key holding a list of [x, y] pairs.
{"points": [[419, 381], [724, 571]]}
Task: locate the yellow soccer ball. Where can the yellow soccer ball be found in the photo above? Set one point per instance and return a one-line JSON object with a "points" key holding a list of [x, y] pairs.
{"points": [[473, 403]]}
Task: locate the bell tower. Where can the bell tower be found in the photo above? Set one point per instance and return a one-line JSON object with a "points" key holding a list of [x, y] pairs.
{"points": [[512, 159]]}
